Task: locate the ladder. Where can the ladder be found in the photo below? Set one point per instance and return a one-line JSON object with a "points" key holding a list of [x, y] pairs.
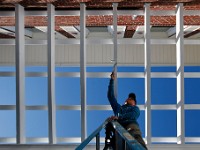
{"points": [[124, 140]]}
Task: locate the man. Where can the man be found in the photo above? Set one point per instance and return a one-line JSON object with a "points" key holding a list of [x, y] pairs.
{"points": [[126, 115]]}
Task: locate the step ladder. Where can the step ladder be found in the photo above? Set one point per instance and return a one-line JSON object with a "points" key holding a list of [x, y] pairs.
{"points": [[123, 139]]}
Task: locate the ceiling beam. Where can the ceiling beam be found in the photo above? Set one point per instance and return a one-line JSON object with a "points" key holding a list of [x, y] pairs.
{"points": [[129, 31], [6, 36], [11, 29], [63, 32], [192, 33], [188, 30]]}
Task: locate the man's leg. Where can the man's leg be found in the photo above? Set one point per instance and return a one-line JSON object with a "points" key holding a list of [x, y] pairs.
{"points": [[109, 139], [134, 130], [140, 140]]}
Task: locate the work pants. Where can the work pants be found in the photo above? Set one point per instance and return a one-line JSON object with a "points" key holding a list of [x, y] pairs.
{"points": [[134, 130]]}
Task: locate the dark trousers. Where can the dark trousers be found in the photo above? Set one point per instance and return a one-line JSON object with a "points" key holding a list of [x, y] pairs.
{"points": [[110, 137], [134, 130]]}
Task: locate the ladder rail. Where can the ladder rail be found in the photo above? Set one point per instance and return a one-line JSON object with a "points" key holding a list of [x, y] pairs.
{"points": [[91, 136], [127, 137]]}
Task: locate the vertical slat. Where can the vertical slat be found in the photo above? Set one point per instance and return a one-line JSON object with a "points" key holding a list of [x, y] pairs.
{"points": [[115, 43], [51, 73], [83, 71], [20, 74], [98, 141], [180, 74], [147, 67]]}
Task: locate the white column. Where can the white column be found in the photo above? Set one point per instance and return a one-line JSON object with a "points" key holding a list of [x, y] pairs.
{"points": [[51, 73], [180, 74], [115, 43], [147, 75], [20, 74], [83, 71]]}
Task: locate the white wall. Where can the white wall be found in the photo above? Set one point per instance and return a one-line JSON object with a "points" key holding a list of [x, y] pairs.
{"points": [[101, 54]]}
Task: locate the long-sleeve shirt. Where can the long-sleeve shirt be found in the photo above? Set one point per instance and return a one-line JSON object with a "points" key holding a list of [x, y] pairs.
{"points": [[127, 114]]}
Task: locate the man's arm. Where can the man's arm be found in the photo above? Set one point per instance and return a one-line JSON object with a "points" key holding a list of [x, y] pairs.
{"points": [[111, 97]]}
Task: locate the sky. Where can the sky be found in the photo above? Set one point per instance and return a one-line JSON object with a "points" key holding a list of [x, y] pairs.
{"points": [[67, 91]]}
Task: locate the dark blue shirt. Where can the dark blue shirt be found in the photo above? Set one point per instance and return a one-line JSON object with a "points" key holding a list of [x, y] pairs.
{"points": [[127, 114]]}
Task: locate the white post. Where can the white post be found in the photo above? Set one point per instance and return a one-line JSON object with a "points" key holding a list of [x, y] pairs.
{"points": [[147, 75], [20, 74], [51, 73], [180, 74], [115, 43], [83, 71]]}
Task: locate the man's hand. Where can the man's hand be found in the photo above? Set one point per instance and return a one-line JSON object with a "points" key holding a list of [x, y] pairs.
{"points": [[112, 118], [112, 75]]}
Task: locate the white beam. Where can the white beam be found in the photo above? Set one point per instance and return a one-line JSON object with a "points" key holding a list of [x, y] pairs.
{"points": [[106, 74], [101, 107], [12, 30], [190, 12], [7, 32], [180, 74], [115, 45], [42, 28], [20, 74], [147, 73], [83, 70], [51, 73], [171, 31], [162, 13]]}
